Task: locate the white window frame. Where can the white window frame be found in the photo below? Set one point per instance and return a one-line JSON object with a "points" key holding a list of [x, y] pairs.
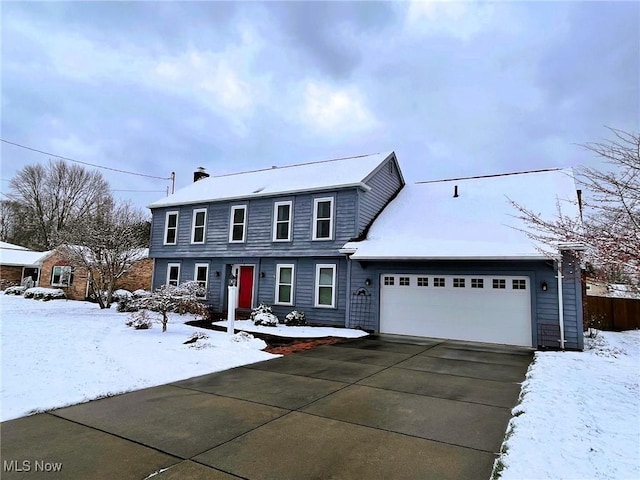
{"points": [[316, 201], [65, 279], [194, 226], [168, 279], [166, 227], [206, 281], [234, 208], [279, 267], [289, 222], [317, 285]]}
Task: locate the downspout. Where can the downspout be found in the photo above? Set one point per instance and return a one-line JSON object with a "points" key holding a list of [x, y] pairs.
{"points": [[560, 303]]}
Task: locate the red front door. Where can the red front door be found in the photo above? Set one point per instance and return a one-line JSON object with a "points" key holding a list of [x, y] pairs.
{"points": [[245, 287]]}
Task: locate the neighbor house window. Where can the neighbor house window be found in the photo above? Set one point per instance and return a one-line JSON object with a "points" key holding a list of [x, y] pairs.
{"points": [[325, 291], [438, 282], [284, 284], [323, 218], [499, 283], [61, 276], [405, 281], [201, 276], [519, 284], [282, 221], [173, 274], [198, 225], [238, 227], [171, 228], [423, 281], [477, 283]]}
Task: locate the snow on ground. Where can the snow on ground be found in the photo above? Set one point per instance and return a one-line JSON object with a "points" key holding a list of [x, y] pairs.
{"points": [[62, 352], [294, 332], [580, 414]]}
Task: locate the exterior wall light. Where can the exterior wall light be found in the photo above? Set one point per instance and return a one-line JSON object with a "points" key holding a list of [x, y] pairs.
{"points": [[367, 282], [544, 286]]}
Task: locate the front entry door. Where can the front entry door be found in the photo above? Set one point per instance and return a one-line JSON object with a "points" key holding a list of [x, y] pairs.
{"points": [[245, 286]]}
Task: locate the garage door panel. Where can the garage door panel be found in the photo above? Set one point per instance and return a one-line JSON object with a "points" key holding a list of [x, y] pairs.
{"points": [[487, 314]]}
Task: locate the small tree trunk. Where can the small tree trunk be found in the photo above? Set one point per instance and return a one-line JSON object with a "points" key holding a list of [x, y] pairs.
{"points": [[165, 320]]}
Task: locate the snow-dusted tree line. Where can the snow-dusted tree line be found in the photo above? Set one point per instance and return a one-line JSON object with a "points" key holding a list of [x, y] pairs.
{"points": [[65, 206], [610, 227]]}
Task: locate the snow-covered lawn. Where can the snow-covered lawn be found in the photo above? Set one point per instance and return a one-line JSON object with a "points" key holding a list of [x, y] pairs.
{"points": [[580, 414], [294, 332]]}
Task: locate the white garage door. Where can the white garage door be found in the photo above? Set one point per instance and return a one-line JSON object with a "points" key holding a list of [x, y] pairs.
{"points": [[493, 309]]}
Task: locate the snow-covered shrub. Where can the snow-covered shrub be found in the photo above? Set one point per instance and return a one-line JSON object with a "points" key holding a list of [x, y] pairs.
{"points": [[15, 290], [119, 294], [263, 315], [27, 282], [127, 304], [140, 293], [45, 294], [194, 341], [295, 319], [242, 337], [140, 320]]}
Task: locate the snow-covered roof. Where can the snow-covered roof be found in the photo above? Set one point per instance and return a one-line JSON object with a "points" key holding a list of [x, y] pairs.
{"points": [[426, 221], [16, 255], [304, 177]]}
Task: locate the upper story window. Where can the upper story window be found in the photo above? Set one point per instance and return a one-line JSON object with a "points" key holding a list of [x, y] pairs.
{"points": [[238, 224], [61, 276], [173, 274], [171, 228], [323, 218], [282, 213], [198, 225]]}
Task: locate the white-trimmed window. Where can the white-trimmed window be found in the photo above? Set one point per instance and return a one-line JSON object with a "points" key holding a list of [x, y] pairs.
{"points": [[438, 282], [389, 280], [171, 228], [499, 283], [284, 284], [423, 281], [405, 281], [238, 224], [198, 225], [323, 218], [173, 274], [458, 283], [61, 276], [325, 286], [519, 284], [477, 283], [201, 276], [282, 215]]}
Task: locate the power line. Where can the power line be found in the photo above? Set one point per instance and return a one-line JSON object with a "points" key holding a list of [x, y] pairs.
{"points": [[83, 163], [144, 191]]}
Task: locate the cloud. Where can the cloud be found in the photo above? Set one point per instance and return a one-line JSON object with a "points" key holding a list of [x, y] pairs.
{"points": [[336, 111], [452, 18]]}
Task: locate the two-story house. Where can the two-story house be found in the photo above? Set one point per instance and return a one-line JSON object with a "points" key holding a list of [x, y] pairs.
{"points": [[278, 231], [348, 243]]}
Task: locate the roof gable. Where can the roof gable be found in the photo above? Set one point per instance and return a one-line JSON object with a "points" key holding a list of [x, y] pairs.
{"points": [[306, 177], [427, 221]]}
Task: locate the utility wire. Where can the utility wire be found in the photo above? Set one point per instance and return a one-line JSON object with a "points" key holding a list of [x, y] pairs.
{"points": [[83, 163]]}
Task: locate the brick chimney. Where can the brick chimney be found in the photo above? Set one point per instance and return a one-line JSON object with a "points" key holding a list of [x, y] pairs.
{"points": [[199, 174]]}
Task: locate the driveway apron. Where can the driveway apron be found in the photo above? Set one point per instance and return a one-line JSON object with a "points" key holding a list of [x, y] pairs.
{"points": [[374, 408]]}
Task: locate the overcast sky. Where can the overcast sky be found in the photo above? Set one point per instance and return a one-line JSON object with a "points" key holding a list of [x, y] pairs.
{"points": [[455, 89]]}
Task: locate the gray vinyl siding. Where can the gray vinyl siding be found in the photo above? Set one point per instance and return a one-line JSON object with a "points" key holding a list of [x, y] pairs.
{"points": [[259, 228], [364, 308], [264, 288], [384, 184]]}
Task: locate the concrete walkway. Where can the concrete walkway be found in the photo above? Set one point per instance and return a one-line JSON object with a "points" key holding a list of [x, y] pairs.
{"points": [[375, 408]]}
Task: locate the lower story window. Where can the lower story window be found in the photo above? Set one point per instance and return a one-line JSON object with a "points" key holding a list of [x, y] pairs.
{"points": [[325, 288], [284, 284], [173, 274], [61, 276], [201, 277]]}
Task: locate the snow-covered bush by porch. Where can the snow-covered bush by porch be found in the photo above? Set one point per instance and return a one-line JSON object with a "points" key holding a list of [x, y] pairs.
{"points": [[263, 315], [45, 294], [295, 319], [15, 290]]}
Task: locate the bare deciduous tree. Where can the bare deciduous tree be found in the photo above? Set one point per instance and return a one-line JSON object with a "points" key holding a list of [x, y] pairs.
{"points": [[107, 245], [53, 198], [610, 229]]}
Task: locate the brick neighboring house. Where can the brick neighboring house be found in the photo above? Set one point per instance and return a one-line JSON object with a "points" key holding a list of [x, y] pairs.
{"points": [[17, 263], [74, 281]]}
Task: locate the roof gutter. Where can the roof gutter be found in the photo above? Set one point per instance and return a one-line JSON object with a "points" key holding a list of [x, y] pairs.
{"points": [[424, 257]]}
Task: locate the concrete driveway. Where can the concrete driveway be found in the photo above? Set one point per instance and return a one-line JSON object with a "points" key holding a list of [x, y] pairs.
{"points": [[374, 408]]}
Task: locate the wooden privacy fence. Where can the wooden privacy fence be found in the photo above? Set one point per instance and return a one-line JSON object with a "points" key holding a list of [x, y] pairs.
{"points": [[607, 313]]}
